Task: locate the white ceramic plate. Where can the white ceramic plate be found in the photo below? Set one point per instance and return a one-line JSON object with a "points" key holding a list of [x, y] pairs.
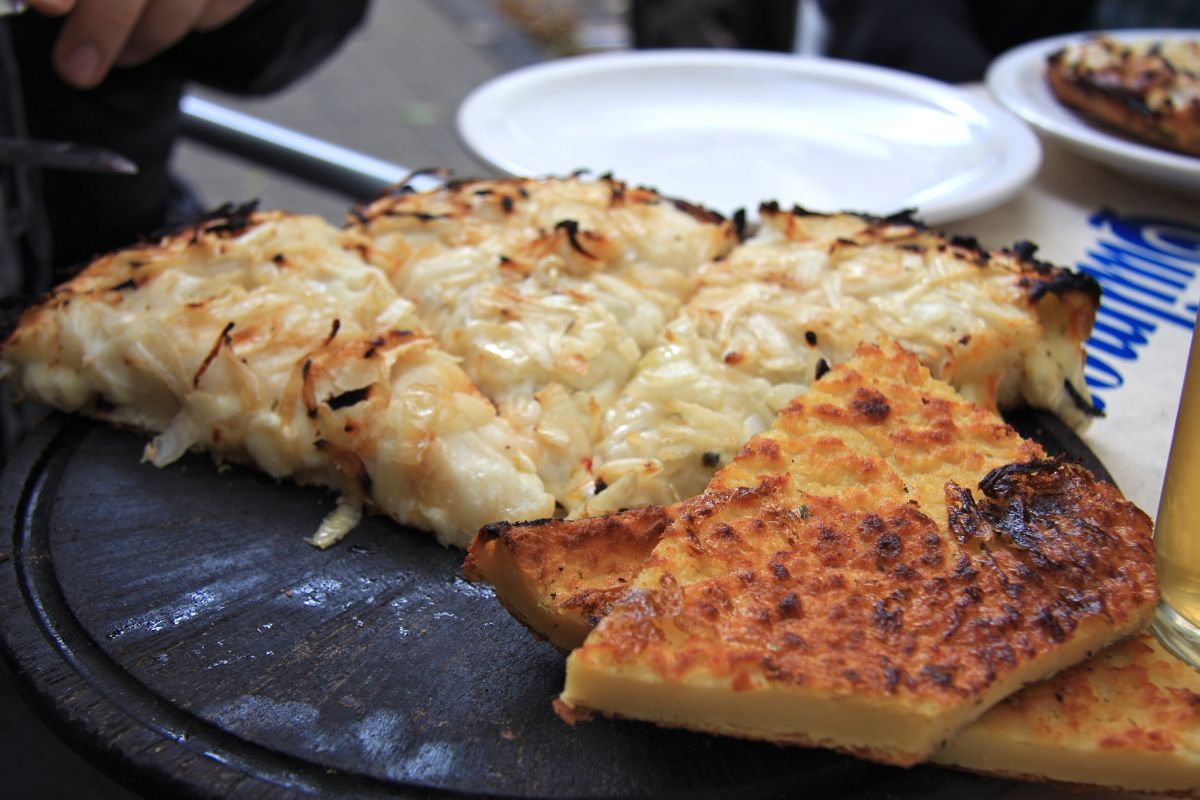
{"points": [[731, 129], [1017, 79]]}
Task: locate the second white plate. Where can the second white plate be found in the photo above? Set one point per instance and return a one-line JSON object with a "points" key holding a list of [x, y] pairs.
{"points": [[1018, 80], [731, 129]]}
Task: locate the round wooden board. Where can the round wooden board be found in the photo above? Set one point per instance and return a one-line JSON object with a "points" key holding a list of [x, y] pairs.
{"points": [[174, 623]]}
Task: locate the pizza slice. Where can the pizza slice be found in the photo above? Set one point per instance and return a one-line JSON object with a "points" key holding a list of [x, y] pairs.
{"points": [[560, 577], [870, 574], [265, 338], [1128, 718], [1147, 88], [1001, 327], [549, 291]]}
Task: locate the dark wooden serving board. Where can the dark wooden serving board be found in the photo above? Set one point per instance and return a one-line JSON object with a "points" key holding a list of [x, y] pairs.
{"points": [[174, 623]]}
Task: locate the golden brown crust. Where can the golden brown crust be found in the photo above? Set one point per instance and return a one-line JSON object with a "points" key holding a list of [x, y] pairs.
{"points": [[1126, 718], [884, 601], [569, 572], [884, 541], [1136, 88]]}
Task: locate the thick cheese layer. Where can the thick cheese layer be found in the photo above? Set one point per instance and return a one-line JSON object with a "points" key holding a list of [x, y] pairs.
{"points": [[549, 291], [267, 339], [798, 298]]}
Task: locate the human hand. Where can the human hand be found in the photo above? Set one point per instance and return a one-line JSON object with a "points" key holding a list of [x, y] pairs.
{"points": [[100, 33]]}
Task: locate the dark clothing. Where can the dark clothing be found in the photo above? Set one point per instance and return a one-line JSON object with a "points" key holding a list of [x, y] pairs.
{"points": [[948, 39], [756, 25], [135, 110], [24, 232], [53, 221]]}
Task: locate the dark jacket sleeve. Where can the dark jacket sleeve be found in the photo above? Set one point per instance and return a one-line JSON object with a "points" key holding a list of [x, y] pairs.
{"points": [[931, 37], [953, 40], [268, 46], [135, 111]]}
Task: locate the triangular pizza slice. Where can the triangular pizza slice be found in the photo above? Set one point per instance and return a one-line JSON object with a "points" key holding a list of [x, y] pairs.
{"points": [[871, 574], [265, 338]]}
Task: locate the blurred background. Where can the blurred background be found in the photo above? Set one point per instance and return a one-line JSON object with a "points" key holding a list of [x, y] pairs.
{"points": [[393, 89]]}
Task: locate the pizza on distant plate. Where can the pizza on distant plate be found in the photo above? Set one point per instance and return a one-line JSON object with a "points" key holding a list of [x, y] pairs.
{"points": [[1148, 89]]}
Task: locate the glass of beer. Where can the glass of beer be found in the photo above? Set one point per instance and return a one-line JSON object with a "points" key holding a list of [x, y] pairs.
{"points": [[1177, 529]]}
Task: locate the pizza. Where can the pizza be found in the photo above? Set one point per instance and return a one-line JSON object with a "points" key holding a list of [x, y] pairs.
{"points": [[500, 355], [799, 296], [871, 574], [1125, 718], [638, 340], [267, 339], [610, 347], [1148, 89], [1128, 718], [549, 292]]}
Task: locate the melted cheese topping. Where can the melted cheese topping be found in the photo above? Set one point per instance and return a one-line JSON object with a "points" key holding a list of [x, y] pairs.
{"points": [[272, 342], [798, 298], [549, 291], [619, 344]]}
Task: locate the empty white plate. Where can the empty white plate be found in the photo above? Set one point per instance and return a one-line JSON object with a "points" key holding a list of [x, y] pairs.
{"points": [[731, 129], [1018, 80]]}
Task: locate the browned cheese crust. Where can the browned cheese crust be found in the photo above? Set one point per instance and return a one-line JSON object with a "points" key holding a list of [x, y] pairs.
{"points": [[1148, 90], [560, 578], [886, 545], [1127, 718]]}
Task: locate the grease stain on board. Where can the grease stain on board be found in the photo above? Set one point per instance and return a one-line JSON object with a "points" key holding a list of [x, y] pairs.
{"points": [[433, 761], [258, 713], [378, 732], [187, 606]]}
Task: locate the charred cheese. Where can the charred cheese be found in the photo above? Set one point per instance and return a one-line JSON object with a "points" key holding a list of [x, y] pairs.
{"points": [[267, 339], [871, 574], [797, 298]]}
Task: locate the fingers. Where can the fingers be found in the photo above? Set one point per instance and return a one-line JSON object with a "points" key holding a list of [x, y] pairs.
{"points": [[51, 8], [93, 36], [100, 33]]}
